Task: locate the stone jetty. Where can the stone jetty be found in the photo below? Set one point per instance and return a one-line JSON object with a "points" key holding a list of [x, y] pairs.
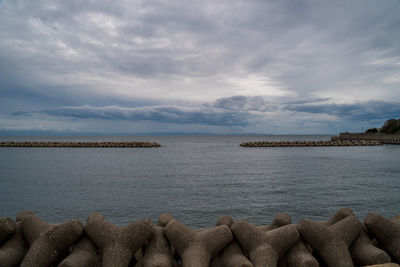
{"points": [[78, 144], [311, 143], [341, 241], [389, 139]]}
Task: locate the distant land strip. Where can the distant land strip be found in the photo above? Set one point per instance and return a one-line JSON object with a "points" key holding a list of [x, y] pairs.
{"points": [[79, 144], [311, 143]]}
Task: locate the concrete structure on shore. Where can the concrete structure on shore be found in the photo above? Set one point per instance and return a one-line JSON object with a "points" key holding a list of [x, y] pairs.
{"points": [[311, 143], [98, 243], [78, 144], [392, 139]]}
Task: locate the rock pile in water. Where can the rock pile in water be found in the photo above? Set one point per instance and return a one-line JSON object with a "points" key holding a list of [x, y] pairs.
{"points": [[342, 241], [79, 144], [311, 143]]}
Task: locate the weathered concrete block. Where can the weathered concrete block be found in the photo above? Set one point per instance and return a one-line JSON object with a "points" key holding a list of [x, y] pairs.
{"points": [[339, 215], [265, 248], [362, 250], [225, 220], [32, 226], [386, 231], [196, 249], [14, 249], [118, 243], [158, 252], [232, 255], [300, 256], [384, 265], [332, 242], [84, 254], [396, 219], [164, 219], [281, 219], [48, 247], [7, 228]]}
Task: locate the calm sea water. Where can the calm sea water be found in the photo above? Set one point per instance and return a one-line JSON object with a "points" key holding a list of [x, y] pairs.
{"points": [[198, 179]]}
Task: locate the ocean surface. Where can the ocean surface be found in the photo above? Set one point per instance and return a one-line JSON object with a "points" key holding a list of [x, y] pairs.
{"points": [[197, 179]]}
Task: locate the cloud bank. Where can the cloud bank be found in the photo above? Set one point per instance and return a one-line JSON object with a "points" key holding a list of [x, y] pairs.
{"points": [[238, 65]]}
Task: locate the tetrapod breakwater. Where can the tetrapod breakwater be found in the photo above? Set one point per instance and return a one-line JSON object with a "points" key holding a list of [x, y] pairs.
{"points": [[79, 144], [340, 241], [311, 143]]}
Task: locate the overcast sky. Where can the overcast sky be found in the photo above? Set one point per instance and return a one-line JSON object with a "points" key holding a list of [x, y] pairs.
{"points": [[211, 66]]}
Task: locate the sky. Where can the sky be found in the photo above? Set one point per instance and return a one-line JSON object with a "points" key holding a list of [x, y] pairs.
{"points": [[186, 66]]}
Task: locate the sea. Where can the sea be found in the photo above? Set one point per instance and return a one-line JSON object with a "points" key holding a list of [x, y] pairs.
{"points": [[197, 179]]}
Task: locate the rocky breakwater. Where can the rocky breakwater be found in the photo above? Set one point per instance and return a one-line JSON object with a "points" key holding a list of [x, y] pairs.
{"points": [[79, 144], [341, 241], [311, 143]]}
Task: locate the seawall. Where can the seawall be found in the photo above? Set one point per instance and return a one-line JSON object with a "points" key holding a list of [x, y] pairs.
{"points": [[341, 240], [380, 137], [79, 144]]}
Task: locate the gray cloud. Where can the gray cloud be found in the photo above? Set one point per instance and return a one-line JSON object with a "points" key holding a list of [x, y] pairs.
{"points": [[164, 114], [255, 103], [237, 111], [307, 56], [365, 111]]}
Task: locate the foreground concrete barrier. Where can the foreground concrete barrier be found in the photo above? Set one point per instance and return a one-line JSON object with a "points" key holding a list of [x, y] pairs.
{"points": [[332, 242], [196, 249], [13, 251], [299, 256], [7, 228], [118, 244], [386, 231], [363, 251], [158, 252], [232, 255], [342, 240], [50, 245], [281, 219], [265, 248], [84, 254]]}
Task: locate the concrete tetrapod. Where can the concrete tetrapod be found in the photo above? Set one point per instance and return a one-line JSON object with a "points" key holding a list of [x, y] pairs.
{"points": [[232, 255], [14, 249], [50, 245], [7, 228], [332, 242], [158, 252], [265, 248], [118, 244], [362, 250], [300, 256], [83, 255], [386, 231], [164, 219], [396, 219], [339, 215], [281, 219], [32, 226], [196, 249]]}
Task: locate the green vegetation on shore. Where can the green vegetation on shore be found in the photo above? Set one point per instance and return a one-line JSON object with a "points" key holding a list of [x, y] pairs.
{"points": [[391, 126]]}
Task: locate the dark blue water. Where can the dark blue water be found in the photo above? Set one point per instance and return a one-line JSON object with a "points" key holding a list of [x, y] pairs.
{"points": [[198, 179]]}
